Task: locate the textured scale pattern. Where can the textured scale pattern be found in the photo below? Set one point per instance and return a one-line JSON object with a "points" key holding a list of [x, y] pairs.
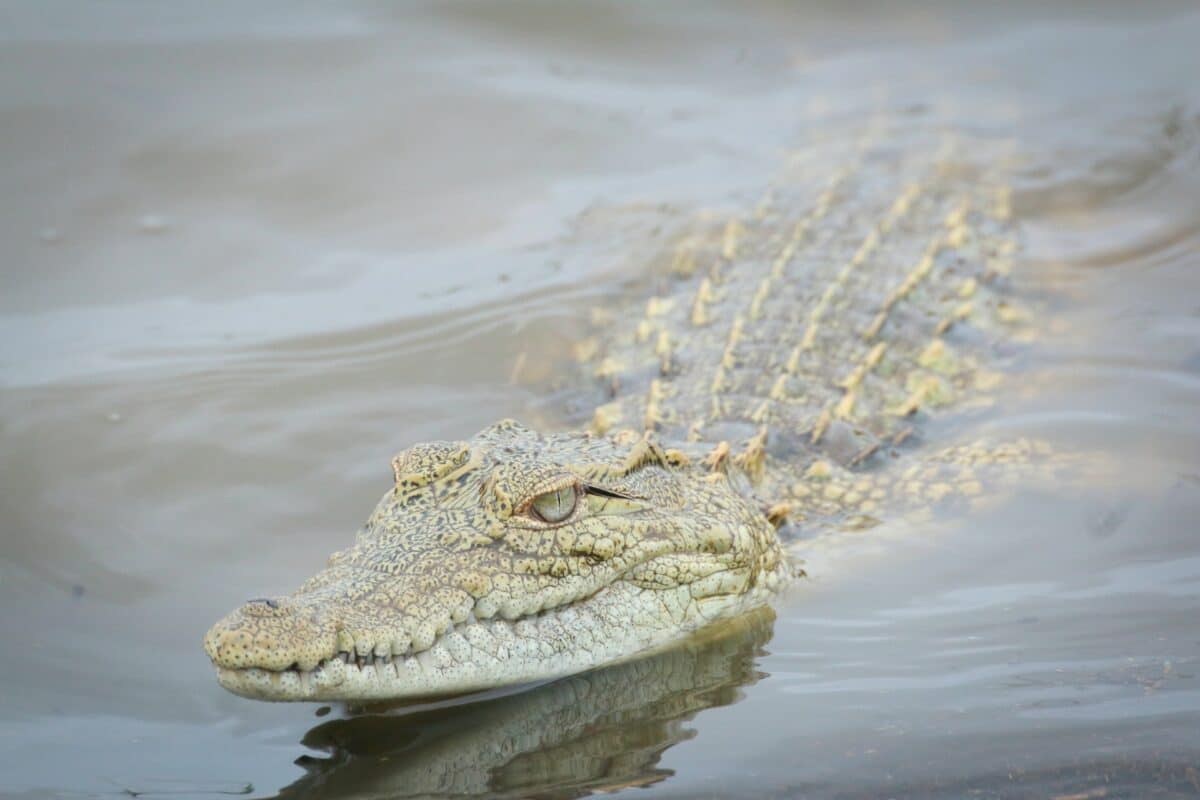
{"points": [[811, 339], [453, 582], [781, 373]]}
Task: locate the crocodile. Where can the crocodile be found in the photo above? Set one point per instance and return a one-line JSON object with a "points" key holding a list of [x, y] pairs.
{"points": [[778, 381]]}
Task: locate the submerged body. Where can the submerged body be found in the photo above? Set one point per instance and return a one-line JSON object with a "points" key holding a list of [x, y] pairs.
{"points": [[776, 376]]}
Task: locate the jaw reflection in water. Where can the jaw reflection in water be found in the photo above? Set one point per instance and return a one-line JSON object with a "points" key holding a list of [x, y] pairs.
{"points": [[601, 730]]}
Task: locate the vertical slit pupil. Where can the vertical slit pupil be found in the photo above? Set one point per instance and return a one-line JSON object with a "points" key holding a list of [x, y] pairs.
{"points": [[557, 505]]}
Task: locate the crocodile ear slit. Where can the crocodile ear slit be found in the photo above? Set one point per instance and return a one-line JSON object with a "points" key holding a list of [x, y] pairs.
{"points": [[600, 491]]}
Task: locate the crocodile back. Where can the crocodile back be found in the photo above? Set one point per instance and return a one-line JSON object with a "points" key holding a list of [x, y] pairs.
{"points": [[812, 335]]}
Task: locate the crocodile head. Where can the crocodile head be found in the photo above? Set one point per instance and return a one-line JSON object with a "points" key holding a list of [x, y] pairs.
{"points": [[510, 558]]}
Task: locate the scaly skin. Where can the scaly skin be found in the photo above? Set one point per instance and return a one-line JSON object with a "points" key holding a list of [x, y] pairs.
{"points": [[454, 586], [777, 375]]}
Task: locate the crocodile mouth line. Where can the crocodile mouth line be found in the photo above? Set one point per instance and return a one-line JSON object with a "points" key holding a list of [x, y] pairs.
{"points": [[477, 654], [462, 648], [356, 660]]}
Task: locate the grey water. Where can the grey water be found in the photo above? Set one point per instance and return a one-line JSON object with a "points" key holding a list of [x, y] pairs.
{"points": [[249, 252]]}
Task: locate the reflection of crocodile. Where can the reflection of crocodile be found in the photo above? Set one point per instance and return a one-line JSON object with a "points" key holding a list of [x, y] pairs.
{"points": [[778, 373], [600, 731]]}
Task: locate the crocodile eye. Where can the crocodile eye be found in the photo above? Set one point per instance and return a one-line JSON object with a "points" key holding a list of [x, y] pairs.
{"points": [[555, 506]]}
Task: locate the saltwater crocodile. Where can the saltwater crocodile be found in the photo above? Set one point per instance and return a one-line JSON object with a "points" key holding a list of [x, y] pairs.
{"points": [[779, 373]]}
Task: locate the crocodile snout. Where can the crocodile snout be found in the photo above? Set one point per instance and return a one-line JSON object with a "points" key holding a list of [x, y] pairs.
{"points": [[272, 634]]}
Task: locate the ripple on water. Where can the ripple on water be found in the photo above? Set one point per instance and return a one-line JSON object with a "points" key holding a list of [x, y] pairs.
{"points": [[229, 282]]}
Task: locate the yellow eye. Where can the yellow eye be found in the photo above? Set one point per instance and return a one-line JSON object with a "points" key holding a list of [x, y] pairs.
{"points": [[555, 506]]}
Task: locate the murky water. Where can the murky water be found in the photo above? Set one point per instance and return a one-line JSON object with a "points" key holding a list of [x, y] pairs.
{"points": [[249, 253]]}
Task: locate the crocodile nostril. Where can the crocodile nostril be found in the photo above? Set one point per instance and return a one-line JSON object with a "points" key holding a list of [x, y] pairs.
{"points": [[266, 601]]}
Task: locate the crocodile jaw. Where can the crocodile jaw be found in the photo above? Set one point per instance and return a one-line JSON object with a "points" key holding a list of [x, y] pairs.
{"points": [[621, 622], [454, 585]]}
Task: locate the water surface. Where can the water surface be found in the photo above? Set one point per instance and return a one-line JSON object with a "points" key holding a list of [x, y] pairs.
{"points": [[250, 253]]}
